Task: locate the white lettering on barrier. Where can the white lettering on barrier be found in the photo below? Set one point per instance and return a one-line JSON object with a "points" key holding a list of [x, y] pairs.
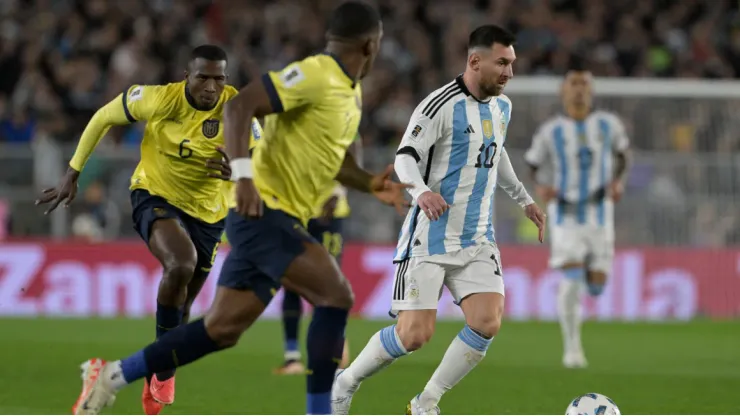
{"points": [[18, 265], [68, 290]]}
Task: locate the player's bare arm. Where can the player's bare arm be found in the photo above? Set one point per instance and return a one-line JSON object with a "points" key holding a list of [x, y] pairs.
{"points": [[382, 186], [623, 160], [511, 184], [252, 101]]}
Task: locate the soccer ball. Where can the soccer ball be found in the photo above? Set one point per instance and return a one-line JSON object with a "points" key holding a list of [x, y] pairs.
{"points": [[592, 404]]}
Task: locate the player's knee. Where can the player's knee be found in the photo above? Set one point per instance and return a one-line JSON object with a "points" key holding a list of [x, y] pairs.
{"points": [[224, 334], [487, 325], [596, 281], [414, 335], [179, 272], [342, 297]]}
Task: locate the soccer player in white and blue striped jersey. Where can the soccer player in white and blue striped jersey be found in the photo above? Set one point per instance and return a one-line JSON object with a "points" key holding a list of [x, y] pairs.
{"points": [[587, 151], [456, 137]]}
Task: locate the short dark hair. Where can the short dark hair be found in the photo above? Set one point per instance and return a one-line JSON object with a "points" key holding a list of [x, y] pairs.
{"points": [[209, 53], [487, 35], [577, 63], [353, 19]]}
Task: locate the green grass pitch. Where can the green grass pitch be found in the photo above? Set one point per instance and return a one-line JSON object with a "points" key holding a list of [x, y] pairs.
{"points": [[675, 368]]}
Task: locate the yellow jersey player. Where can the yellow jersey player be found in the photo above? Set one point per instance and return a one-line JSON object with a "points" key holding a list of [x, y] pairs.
{"points": [[312, 110], [326, 228], [179, 189]]}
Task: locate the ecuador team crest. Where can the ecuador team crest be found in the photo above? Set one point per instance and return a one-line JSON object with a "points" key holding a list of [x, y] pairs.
{"points": [[210, 128], [487, 128]]}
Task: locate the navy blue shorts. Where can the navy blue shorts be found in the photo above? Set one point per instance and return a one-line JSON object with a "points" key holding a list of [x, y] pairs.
{"points": [[329, 234], [148, 208], [261, 251]]}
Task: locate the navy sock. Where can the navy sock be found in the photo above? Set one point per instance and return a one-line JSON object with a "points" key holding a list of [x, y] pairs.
{"points": [[168, 318], [324, 342], [176, 348], [292, 309]]}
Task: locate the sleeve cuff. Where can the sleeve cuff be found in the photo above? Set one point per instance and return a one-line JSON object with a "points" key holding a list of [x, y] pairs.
{"points": [[272, 94], [126, 111], [408, 150]]}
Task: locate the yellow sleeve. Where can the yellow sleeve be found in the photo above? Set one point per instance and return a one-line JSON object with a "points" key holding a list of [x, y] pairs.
{"points": [[296, 85], [137, 103]]}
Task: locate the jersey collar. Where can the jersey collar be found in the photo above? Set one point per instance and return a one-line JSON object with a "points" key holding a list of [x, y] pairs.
{"points": [[464, 88], [342, 67]]}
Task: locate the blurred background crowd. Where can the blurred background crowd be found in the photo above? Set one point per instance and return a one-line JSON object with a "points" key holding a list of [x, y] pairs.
{"points": [[60, 60]]}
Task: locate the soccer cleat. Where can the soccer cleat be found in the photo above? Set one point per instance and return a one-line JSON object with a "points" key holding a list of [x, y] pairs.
{"points": [[290, 367], [150, 406], [341, 395], [163, 391], [574, 359], [414, 408], [96, 393]]}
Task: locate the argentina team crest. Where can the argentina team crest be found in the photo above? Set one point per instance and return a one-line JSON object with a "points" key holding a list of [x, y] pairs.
{"points": [[487, 128], [210, 128]]}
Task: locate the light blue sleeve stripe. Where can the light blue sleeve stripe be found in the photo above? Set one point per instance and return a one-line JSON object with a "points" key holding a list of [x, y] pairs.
{"points": [[458, 159], [584, 172], [475, 200], [606, 153], [560, 150]]}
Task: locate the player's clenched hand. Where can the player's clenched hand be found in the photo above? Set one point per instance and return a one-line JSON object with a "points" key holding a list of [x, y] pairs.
{"points": [[327, 211], [545, 193], [535, 214], [616, 189], [390, 192], [248, 201], [221, 166], [432, 204], [65, 191]]}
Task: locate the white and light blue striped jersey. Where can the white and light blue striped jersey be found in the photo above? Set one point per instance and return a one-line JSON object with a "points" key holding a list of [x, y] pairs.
{"points": [[581, 157], [457, 142]]}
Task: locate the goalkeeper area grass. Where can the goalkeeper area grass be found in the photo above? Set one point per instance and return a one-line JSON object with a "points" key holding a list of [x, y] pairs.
{"points": [[646, 368]]}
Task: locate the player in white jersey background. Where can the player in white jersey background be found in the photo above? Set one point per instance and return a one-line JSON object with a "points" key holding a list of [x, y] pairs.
{"points": [[453, 154], [586, 152]]}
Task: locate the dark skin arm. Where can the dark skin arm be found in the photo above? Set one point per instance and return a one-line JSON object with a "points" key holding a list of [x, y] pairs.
{"points": [[252, 101], [381, 186], [327, 212]]}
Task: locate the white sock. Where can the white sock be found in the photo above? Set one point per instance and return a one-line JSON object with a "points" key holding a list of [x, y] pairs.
{"points": [[464, 353], [570, 312], [382, 349], [113, 375]]}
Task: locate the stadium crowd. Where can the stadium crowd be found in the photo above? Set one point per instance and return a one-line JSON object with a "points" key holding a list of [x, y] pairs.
{"points": [[63, 59]]}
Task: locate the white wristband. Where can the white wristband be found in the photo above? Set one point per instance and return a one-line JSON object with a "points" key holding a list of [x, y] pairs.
{"points": [[339, 191], [241, 168]]}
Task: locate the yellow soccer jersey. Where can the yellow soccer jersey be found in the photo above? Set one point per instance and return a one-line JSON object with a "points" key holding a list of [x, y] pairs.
{"points": [[177, 140], [317, 111]]}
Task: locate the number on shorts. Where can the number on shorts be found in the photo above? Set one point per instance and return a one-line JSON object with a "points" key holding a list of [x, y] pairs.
{"points": [[332, 242], [215, 251], [497, 272]]}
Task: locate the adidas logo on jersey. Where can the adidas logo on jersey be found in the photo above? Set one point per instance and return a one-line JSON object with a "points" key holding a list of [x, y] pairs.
{"points": [[469, 130]]}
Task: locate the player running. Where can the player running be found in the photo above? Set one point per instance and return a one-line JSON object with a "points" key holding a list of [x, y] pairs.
{"points": [[326, 228], [178, 190], [587, 151], [312, 109], [456, 137]]}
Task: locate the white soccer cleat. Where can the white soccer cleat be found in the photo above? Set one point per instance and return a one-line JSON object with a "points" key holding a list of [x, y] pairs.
{"points": [[414, 408], [96, 393], [341, 395], [574, 359]]}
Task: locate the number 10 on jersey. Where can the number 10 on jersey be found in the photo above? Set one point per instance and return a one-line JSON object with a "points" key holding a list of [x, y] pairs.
{"points": [[486, 155]]}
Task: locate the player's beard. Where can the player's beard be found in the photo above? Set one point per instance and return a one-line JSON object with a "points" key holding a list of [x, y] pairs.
{"points": [[492, 89]]}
